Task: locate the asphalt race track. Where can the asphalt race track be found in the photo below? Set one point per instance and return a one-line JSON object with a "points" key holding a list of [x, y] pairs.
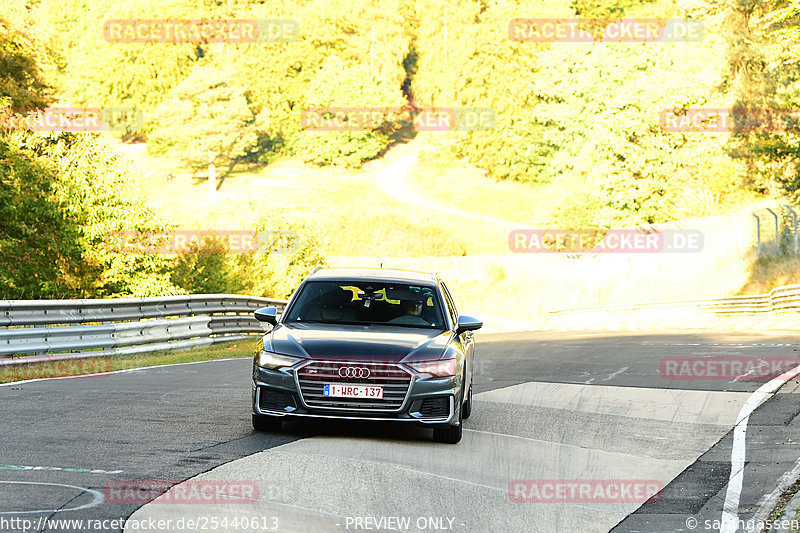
{"points": [[592, 410]]}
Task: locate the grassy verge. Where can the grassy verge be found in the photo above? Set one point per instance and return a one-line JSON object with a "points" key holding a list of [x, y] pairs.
{"points": [[768, 272], [456, 184], [95, 365], [351, 214], [778, 513], [608, 280]]}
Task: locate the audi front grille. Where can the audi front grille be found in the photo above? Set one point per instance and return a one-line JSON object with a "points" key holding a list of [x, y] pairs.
{"points": [[395, 381]]}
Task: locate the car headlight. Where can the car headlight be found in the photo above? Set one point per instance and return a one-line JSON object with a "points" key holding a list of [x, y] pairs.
{"points": [[274, 361], [440, 368]]}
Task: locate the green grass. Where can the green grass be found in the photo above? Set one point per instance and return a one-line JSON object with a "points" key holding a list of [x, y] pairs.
{"points": [[94, 365], [352, 215], [456, 184]]}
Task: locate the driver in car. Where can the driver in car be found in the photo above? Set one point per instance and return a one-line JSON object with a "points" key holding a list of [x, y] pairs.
{"points": [[412, 309]]}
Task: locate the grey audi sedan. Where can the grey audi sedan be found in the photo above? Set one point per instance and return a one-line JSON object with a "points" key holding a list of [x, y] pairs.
{"points": [[367, 344]]}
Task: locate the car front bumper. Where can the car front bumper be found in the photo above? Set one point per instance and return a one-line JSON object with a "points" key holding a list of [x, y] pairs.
{"points": [[427, 401]]}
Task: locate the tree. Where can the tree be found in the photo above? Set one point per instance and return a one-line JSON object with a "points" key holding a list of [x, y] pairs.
{"points": [[40, 254], [65, 200], [99, 73], [582, 116], [205, 114], [763, 75], [26, 53], [349, 85], [287, 252]]}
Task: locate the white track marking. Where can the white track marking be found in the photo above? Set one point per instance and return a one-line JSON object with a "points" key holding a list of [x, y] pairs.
{"points": [[15, 383], [96, 500], [23, 468], [617, 373], [730, 512], [748, 373]]}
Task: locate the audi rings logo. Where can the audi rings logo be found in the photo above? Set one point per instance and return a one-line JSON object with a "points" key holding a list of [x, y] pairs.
{"points": [[360, 372]]}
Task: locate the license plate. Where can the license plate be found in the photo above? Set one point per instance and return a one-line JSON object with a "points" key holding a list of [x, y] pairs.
{"points": [[336, 390]]}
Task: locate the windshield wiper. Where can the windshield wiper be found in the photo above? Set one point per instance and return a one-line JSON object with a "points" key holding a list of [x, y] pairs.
{"points": [[350, 323], [418, 326]]}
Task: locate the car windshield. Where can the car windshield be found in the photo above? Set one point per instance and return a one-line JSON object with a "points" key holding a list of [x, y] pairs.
{"points": [[347, 302]]}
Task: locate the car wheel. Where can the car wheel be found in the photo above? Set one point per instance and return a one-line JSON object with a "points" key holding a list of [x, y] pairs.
{"points": [[449, 434], [266, 423], [466, 409]]}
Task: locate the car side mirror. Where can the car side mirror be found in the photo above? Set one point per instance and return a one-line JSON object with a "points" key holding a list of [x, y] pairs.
{"points": [[467, 323], [267, 314]]}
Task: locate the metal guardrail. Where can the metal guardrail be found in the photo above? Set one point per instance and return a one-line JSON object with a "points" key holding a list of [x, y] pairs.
{"points": [[43, 312], [47, 330], [778, 300]]}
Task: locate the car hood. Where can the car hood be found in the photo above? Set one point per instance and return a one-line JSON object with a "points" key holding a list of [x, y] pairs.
{"points": [[357, 343]]}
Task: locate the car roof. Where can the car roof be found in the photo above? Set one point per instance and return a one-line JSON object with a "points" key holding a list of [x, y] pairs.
{"points": [[374, 274]]}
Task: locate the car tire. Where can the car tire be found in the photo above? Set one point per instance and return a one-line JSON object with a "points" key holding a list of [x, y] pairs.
{"points": [[449, 434], [466, 409], [266, 423]]}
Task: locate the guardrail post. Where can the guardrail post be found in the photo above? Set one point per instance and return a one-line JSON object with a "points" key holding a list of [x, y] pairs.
{"points": [[794, 216], [777, 235], [758, 231]]}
